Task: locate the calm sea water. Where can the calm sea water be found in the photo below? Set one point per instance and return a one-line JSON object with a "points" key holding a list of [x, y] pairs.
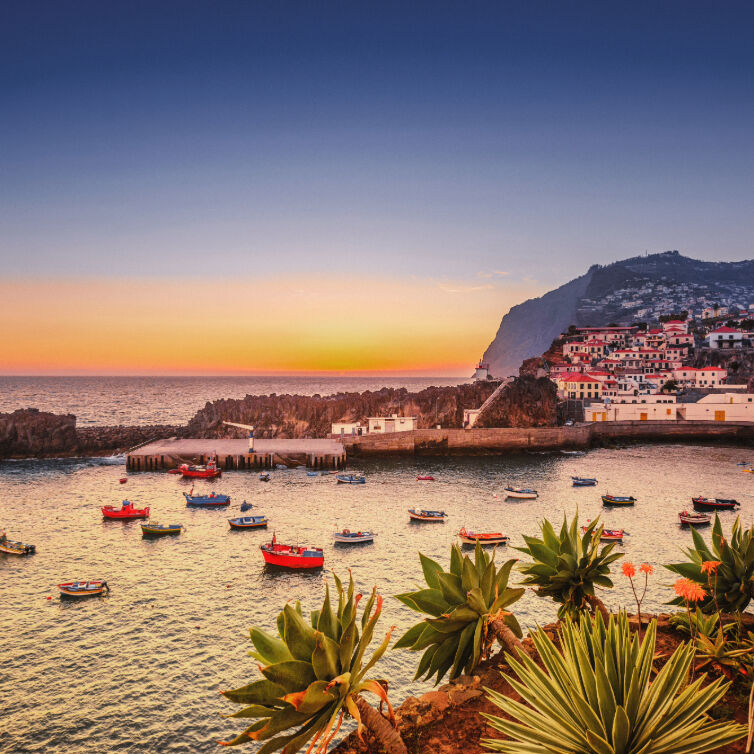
{"points": [[172, 400], [139, 671]]}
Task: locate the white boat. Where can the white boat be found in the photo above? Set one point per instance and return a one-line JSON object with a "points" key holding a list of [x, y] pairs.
{"points": [[520, 493], [348, 537]]}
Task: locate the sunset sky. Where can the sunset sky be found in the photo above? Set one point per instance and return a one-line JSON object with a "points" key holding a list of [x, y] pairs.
{"points": [[248, 187]]}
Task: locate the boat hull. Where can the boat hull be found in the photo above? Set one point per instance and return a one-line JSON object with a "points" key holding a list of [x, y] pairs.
{"points": [[71, 590], [578, 482], [236, 524], [159, 531], [689, 520], [484, 541], [521, 495], [293, 561], [704, 504], [351, 480], [426, 519], [120, 514], [358, 539], [616, 501], [17, 548]]}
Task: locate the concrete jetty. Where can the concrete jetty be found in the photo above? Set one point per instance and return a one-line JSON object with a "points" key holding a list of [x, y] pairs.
{"points": [[235, 454]]}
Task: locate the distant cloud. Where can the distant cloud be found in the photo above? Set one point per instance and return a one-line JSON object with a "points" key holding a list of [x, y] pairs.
{"points": [[454, 288], [494, 273]]}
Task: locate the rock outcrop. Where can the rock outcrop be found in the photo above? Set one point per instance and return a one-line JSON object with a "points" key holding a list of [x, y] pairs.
{"points": [[312, 416], [526, 402], [30, 432]]}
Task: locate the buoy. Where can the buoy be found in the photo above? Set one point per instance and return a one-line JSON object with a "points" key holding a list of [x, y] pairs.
{"points": [[49, 598]]}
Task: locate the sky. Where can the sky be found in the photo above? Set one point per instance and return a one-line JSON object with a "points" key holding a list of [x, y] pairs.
{"points": [[255, 187]]}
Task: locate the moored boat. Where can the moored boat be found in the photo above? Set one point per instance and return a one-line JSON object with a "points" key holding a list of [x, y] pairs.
{"points": [[246, 506], [209, 471], [248, 522], [520, 493], [153, 529], [432, 516], [583, 481], [694, 519], [610, 535], [213, 500], [351, 479], [483, 538], [91, 588], [618, 499], [265, 476], [348, 537], [292, 556], [714, 503], [425, 478], [123, 479], [15, 548], [126, 512]]}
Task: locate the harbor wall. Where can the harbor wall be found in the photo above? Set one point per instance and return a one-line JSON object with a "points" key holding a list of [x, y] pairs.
{"points": [[503, 440]]}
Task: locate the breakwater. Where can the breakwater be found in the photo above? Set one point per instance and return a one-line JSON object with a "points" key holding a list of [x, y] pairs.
{"points": [[459, 442]]}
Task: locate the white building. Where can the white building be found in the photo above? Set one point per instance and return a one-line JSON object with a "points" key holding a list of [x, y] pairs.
{"points": [[720, 407], [470, 415], [394, 423], [349, 428], [725, 337], [659, 410], [482, 371]]}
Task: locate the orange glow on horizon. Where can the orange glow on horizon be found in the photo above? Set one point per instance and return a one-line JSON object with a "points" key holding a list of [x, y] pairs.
{"points": [[278, 325]]}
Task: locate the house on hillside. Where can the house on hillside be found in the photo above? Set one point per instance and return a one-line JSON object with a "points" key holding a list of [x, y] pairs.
{"points": [[725, 337]]}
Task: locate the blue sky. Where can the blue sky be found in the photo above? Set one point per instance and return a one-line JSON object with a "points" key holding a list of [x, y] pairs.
{"points": [[443, 140]]}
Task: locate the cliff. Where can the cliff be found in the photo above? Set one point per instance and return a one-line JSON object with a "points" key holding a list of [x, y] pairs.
{"points": [[298, 416], [526, 402], [622, 292], [739, 363]]}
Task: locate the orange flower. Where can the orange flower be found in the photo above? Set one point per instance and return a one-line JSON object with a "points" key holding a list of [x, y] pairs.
{"points": [[710, 566], [629, 570], [689, 590], [646, 568]]}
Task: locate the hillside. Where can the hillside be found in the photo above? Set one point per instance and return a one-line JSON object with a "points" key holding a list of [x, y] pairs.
{"points": [[636, 289]]}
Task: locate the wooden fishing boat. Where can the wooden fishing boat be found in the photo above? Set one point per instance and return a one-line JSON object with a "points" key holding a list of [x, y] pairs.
{"points": [[213, 500], [210, 471], [246, 506], [351, 479], [265, 476], [126, 512], [694, 519], [520, 493], [483, 538], [748, 471], [583, 481], [15, 548], [281, 467], [292, 556], [610, 535], [425, 478], [348, 537], [714, 503], [79, 589], [312, 473], [248, 522], [435, 517], [153, 529], [618, 499]]}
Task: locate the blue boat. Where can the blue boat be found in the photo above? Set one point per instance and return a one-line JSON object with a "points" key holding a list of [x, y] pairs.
{"points": [[351, 479], [281, 467], [213, 500], [248, 522], [312, 473], [246, 506], [264, 476], [583, 481]]}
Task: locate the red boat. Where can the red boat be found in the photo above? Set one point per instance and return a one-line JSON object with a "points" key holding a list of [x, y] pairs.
{"points": [[610, 535], [123, 480], [292, 556], [210, 471], [425, 479], [126, 512]]}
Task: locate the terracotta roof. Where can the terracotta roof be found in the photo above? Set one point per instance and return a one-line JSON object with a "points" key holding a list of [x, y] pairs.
{"points": [[727, 329], [581, 378], [711, 369]]}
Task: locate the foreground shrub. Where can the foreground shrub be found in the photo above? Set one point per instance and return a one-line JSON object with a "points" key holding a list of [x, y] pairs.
{"points": [[594, 695], [313, 674], [467, 605]]}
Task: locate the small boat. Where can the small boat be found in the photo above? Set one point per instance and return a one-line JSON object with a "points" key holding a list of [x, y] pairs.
{"points": [[520, 493], [246, 506], [714, 503], [744, 463], [248, 522], [433, 516], [153, 529], [583, 481], [126, 512], [483, 538], [618, 500], [351, 479], [425, 478], [265, 476], [92, 588], [292, 556], [694, 519], [348, 537], [210, 471], [610, 535], [312, 473], [281, 467], [15, 548], [123, 479], [748, 471], [213, 500]]}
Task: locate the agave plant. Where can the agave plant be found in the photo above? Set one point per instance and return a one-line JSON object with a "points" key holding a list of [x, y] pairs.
{"points": [[467, 608], [730, 587], [593, 695], [314, 673], [567, 566], [699, 624], [730, 656]]}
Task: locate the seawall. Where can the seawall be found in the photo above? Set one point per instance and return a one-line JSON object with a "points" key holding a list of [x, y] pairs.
{"points": [[502, 440]]}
